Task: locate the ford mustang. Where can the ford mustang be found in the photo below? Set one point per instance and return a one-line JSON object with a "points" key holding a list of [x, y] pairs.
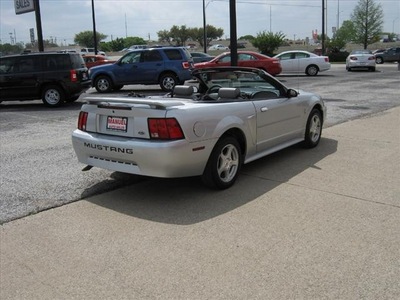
{"points": [[226, 117]]}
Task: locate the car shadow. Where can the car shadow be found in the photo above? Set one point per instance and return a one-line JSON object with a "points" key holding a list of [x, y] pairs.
{"points": [[37, 105], [185, 201]]}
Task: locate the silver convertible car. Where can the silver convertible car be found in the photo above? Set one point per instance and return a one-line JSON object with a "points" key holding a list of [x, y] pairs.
{"points": [[226, 117]]}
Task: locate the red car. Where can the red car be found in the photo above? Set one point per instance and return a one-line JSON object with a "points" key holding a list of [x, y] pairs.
{"points": [[96, 60], [245, 59]]}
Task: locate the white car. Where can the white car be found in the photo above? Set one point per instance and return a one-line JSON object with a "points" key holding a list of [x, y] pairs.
{"points": [[361, 59], [298, 61], [90, 51], [218, 47]]}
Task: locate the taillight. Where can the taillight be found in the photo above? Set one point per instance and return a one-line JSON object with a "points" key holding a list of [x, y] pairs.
{"points": [[165, 129], [82, 120], [371, 58], [186, 65], [326, 59], [73, 76], [353, 58]]}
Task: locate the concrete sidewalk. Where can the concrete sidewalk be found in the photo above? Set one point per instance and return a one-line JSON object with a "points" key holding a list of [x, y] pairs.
{"points": [[300, 224]]}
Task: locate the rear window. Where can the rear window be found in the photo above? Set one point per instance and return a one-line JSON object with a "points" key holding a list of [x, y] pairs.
{"points": [[173, 54], [77, 61]]}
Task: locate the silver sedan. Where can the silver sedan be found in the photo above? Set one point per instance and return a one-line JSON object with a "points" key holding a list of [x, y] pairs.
{"points": [[361, 59]]}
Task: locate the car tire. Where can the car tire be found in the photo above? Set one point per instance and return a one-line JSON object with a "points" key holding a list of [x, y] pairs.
{"points": [[313, 132], [53, 95], [224, 164], [372, 69], [168, 81], [312, 70], [379, 60], [103, 84]]}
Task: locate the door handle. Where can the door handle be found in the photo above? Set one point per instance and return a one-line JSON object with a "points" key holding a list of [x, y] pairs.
{"points": [[263, 109]]}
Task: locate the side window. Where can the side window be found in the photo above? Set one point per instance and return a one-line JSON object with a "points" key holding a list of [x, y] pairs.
{"points": [[302, 55], [173, 54], [152, 55], [7, 65], [285, 56], [25, 64], [226, 58], [132, 57], [244, 56]]}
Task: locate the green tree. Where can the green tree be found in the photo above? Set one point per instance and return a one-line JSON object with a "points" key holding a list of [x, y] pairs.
{"points": [[213, 33], [268, 42], [7, 48], [86, 38], [367, 18], [180, 34], [247, 37], [164, 36], [344, 35], [133, 40]]}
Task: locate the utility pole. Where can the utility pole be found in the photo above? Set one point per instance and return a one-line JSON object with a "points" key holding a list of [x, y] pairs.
{"points": [[39, 26]]}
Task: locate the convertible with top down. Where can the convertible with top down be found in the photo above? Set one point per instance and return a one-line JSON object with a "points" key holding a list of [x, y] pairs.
{"points": [[226, 117]]}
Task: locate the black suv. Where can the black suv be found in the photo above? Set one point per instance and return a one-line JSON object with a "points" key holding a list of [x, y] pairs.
{"points": [[53, 77], [166, 66]]}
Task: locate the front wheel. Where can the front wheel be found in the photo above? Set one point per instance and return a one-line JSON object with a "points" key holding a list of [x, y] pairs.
{"points": [[379, 60], [103, 84], [53, 96], [224, 164], [313, 129], [168, 82]]}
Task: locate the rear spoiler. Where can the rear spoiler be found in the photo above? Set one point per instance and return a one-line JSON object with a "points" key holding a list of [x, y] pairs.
{"points": [[152, 103]]}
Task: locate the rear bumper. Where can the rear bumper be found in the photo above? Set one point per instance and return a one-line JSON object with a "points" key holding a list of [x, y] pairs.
{"points": [[166, 159]]}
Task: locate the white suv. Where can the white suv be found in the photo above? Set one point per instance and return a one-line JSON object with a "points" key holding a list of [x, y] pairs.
{"points": [[85, 51]]}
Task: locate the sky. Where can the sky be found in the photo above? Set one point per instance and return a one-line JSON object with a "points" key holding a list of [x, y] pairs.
{"points": [[62, 19]]}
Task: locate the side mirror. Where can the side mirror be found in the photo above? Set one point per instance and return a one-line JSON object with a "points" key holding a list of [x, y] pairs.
{"points": [[291, 93]]}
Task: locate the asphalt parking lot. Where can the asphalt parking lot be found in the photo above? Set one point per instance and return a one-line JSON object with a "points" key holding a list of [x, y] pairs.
{"points": [[39, 169], [300, 224]]}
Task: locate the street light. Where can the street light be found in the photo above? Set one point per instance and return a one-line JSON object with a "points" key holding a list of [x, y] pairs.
{"points": [[205, 24], [394, 22]]}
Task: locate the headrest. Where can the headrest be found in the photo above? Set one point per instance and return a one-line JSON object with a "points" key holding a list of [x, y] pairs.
{"points": [[229, 93], [183, 90]]}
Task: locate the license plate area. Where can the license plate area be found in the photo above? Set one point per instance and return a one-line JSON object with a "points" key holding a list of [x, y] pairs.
{"points": [[119, 124]]}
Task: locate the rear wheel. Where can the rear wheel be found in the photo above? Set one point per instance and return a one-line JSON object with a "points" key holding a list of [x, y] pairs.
{"points": [[53, 96], [312, 70], [103, 84], [314, 129], [168, 82], [379, 60], [224, 164]]}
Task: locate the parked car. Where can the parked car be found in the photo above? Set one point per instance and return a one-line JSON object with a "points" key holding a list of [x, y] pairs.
{"points": [[218, 47], [167, 66], [245, 59], [389, 55], [378, 51], [209, 131], [298, 61], [96, 60], [53, 77], [361, 59], [201, 57], [90, 51]]}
